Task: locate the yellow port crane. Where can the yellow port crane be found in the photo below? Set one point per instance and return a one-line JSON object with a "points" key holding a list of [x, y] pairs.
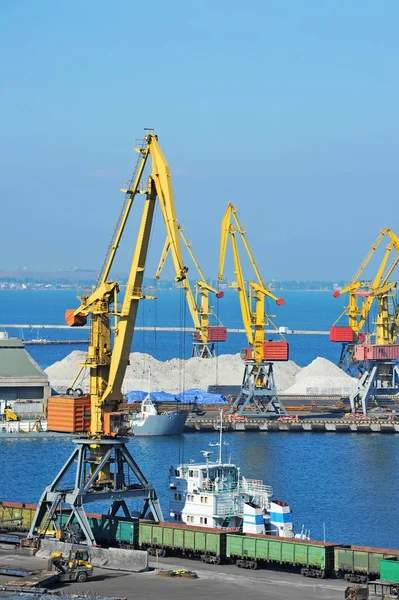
{"points": [[258, 392], [360, 302], [101, 465], [379, 351], [205, 335]]}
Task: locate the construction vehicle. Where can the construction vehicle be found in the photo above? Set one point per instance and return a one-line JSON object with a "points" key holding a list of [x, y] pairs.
{"points": [[6, 412], [205, 336], [76, 567], [258, 393], [101, 466], [358, 309]]}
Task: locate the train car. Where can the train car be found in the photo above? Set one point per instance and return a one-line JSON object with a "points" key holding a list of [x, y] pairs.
{"points": [[193, 542], [360, 564], [389, 570], [315, 559], [16, 516], [115, 531]]}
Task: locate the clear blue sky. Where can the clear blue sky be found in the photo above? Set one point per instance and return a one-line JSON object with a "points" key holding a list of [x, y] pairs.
{"points": [[287, 108]]}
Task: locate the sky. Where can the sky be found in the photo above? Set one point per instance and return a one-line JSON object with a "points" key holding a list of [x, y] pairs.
{"points": [[287, 109]]}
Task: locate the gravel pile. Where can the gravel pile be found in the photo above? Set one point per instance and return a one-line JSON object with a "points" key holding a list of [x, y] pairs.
{"points": [[322, 377], [172, 376]]}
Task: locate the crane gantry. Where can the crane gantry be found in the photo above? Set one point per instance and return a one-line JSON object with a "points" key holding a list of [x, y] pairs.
{"points": [[206, 335], [258, 392], [101, 465], [360, 302], [374, 353]]}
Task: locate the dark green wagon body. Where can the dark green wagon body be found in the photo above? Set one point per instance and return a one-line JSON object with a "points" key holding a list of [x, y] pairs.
{"points": [[288, 551], [361, 559]]}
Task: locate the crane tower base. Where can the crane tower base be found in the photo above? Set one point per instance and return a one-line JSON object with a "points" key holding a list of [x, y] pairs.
{"points": [[101, 471], [381, 379], [258, 395]]}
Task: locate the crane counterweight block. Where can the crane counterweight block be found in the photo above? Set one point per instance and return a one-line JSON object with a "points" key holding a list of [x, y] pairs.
{"points": [[73, 320]]}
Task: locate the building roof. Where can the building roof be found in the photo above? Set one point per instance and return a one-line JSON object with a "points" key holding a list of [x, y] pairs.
{"points": [[16, 362]]}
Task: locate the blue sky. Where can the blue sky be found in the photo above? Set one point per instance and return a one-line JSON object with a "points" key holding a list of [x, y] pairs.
{"points": [[288, 109]]}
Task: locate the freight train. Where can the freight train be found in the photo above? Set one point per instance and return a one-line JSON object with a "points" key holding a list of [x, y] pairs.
{"points": [[311, 558]]}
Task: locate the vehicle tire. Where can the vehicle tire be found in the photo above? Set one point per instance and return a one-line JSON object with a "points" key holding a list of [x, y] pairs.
{"points": [[395, 590], [253, 565], [79, 392], [162, 553], [216, 560], [82, 577], [69, 391]]}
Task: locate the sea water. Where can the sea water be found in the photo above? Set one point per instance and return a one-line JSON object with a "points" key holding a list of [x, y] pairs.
{"points": [[343, 484]]}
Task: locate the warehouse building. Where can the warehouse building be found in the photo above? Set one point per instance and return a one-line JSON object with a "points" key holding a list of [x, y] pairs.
{"points": [[24, 386]]}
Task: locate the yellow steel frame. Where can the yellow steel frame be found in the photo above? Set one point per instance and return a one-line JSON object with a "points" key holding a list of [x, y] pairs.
{"points": [[199, 311], [357, 315], [108, 355], [252, 302]]}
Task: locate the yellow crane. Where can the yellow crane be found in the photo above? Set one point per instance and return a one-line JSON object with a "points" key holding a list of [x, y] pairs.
{"points": [[360, 302], [205, 335], [258, 393], [101, 465]]}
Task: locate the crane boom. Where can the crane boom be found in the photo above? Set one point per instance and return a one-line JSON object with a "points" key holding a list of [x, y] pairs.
{"points": [[202, 345], [108, 358]]}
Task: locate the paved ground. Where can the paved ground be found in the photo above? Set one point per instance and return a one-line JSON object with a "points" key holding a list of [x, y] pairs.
{"points": [[225, 581]]}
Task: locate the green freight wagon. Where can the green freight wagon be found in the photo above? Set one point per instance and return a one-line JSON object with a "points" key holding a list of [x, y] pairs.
{"points": [[316, 559], [115, 531], [16, 516], [360, 564], [389, 569], [208, 544]]}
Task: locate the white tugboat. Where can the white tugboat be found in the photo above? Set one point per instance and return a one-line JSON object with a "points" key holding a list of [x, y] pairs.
{"points": [[216, 494]]}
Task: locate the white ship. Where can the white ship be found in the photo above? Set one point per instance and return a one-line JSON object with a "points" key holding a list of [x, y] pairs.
{"points": [[216, 494], [149, 421]]}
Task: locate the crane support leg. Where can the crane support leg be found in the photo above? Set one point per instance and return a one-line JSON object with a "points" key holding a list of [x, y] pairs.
{"points": [[348, 364], [203, 350], [382, 379], [102, 471], [258, 395]]}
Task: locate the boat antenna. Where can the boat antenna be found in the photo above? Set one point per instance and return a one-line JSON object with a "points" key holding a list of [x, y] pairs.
{"points": [[221, 436]]}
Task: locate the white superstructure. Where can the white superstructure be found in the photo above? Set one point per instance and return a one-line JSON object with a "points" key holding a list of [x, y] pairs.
{"points": [[216, 494]]}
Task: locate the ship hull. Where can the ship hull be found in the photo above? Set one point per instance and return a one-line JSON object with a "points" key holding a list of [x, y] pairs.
{"points": [[167, 424]]}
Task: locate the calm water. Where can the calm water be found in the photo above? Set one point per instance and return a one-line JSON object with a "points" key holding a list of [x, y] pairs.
{"points": [[349, 482]]}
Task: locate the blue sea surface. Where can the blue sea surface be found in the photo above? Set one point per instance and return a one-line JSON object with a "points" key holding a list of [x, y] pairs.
{"points": [[346, 481]]}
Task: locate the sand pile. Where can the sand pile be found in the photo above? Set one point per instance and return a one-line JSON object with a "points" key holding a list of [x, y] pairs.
{"points": [[322, 377], [172, 376]]}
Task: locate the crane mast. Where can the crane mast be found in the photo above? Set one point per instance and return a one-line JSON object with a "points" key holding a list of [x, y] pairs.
{"points": [[205, 335], [378, 352], [101, 464], [258, 392], [360, 302]]}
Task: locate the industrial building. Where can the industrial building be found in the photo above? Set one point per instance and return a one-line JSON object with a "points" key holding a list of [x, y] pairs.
{"points": [[24, 386]]}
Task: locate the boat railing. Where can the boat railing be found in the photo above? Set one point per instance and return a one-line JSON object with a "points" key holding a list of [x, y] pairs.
{"points": [[254, 486], [229, 509]]}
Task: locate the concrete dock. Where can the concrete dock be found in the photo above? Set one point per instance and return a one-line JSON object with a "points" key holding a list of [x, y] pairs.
{"points": [[223, 581], [306, 423]]}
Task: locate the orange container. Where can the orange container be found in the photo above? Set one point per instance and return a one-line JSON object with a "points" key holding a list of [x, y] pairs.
{"points": [[275, 351], [75, 320], [68, 414], [342, 334], [246, 353]]}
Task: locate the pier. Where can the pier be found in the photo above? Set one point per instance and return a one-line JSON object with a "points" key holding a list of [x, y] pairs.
{"points": [[303, 425]]}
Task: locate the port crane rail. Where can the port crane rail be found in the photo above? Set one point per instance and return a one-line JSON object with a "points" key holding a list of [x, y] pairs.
{"points": [[360, 302], [101, 467], [204, 336], [258, 393]]}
